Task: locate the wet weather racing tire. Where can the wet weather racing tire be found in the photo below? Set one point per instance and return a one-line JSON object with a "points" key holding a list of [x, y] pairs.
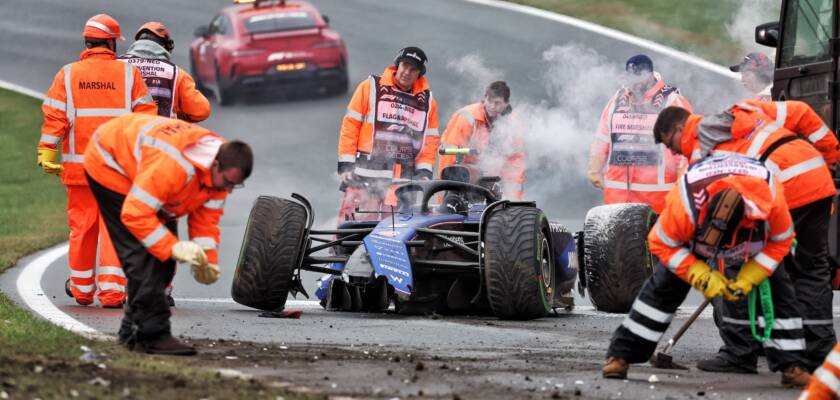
{"points": [[616, 254], [515, 254], [270, 253]]}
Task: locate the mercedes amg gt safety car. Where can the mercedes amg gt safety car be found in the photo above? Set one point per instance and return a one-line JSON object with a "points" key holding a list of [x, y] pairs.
{"points": [[258, 44]]}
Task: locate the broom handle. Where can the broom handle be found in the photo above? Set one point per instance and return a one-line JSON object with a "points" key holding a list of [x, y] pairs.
{"points": [[690, 321]]}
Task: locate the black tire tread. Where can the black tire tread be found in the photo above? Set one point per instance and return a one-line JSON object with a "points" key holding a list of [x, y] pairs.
{"points": [[617, 260], [270, 253], [511, 263]]}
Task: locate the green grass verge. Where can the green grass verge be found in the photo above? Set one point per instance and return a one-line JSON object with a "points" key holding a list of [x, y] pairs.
{"points": [[41, 360], [697, 27]]}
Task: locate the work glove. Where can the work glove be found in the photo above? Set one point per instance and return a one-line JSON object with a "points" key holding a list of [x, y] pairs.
{"points": [[711, 283], [596, 177], [206, 273], [189, 252], [46, 160], [750, 275]]}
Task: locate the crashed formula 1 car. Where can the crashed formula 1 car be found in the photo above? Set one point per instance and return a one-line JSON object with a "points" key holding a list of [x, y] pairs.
{"points": [[473, 253]]}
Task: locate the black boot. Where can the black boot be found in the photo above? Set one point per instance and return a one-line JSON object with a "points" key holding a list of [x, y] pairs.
{"points": [[165, 345], [719, 364]]}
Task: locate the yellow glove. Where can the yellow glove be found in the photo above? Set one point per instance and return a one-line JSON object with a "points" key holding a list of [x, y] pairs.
{"points": [[46, 160], [206, 274], [711, 283], [595, 174], [750, 275], [189, 252]]}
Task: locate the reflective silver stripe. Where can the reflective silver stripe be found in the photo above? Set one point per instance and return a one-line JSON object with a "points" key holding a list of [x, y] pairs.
{"points": [[374, 173], [145, 129], [129, 87], [651, 312], [100, 26], [766, 131], [782, 236], [49, 139], [603, 138], [425, 166], [783, 324], [100, 112], [639, 187], [665, 238], [686, 202], [746, 106], [111, 286], [116, 271], [155, 237], [827, 378], [346, 158], [70, 111], [819, 134], [786, 344], [109, 160], [467, 115], [641, 331], [205, 242], [145, 197], [433, 132], [724, 152], [766, 261], [677, 259], [801, 168], [72, 158], [171, 151], [50, 102], [371, 113], [833, 359], [81, 274], [695, 154], [810, 322], [354, 115], [147, 99], [83, 288], [214, 204]]}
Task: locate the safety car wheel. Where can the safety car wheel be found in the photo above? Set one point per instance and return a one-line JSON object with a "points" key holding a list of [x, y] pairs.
{"points": [[199, 85], [224, 95], [271, 251], [518, 263], [617, 260]]}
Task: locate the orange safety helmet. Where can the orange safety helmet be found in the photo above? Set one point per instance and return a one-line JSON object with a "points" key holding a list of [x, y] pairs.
{"points": [[158, 29], [102, 26]]}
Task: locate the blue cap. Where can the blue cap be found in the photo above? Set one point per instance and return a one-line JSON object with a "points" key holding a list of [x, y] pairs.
{"points": [[638, 63]]}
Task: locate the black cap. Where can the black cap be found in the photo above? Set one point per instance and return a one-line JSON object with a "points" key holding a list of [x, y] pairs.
{"points": [[638, 63], [413, 55]]}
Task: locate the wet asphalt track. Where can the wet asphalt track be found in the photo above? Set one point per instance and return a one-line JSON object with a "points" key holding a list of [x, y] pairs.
{"points": [[295, 139]]}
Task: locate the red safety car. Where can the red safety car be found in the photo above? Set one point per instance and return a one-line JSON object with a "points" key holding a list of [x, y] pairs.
{"points": [[264, 44]]}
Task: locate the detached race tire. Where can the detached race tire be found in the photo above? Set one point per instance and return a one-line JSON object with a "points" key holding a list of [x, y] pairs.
{"points": [[616, 255], [270, 253], [518, 263]]}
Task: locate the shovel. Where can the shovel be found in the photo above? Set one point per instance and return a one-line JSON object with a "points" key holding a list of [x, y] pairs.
{"points": [[663, 358]]}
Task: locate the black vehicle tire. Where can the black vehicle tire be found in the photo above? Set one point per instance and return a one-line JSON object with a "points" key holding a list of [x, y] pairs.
{"points": [[339, 87], [518, 263], [616, 255], [225, 95], [199, 85], [270, 253]]}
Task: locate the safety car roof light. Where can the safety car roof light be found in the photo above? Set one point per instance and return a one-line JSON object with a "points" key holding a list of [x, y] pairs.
{"points": [[260, 3]]}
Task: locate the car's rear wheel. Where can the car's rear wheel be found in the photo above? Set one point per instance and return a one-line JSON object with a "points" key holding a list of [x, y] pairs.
{"points": [[271, 251], [225, 93], [617, 260], [518, 263]]}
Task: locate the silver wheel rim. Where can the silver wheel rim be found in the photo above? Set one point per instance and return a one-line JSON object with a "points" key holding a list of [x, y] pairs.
{"points": [[545, 262]]}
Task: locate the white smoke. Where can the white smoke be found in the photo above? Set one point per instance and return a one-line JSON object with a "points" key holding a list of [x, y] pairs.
{"points": [[750, 13], [475, 76], [558, 132]]}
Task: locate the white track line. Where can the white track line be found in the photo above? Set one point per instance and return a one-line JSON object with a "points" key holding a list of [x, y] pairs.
{"points": [[22, 90], [29, 288], [610, 33]]}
